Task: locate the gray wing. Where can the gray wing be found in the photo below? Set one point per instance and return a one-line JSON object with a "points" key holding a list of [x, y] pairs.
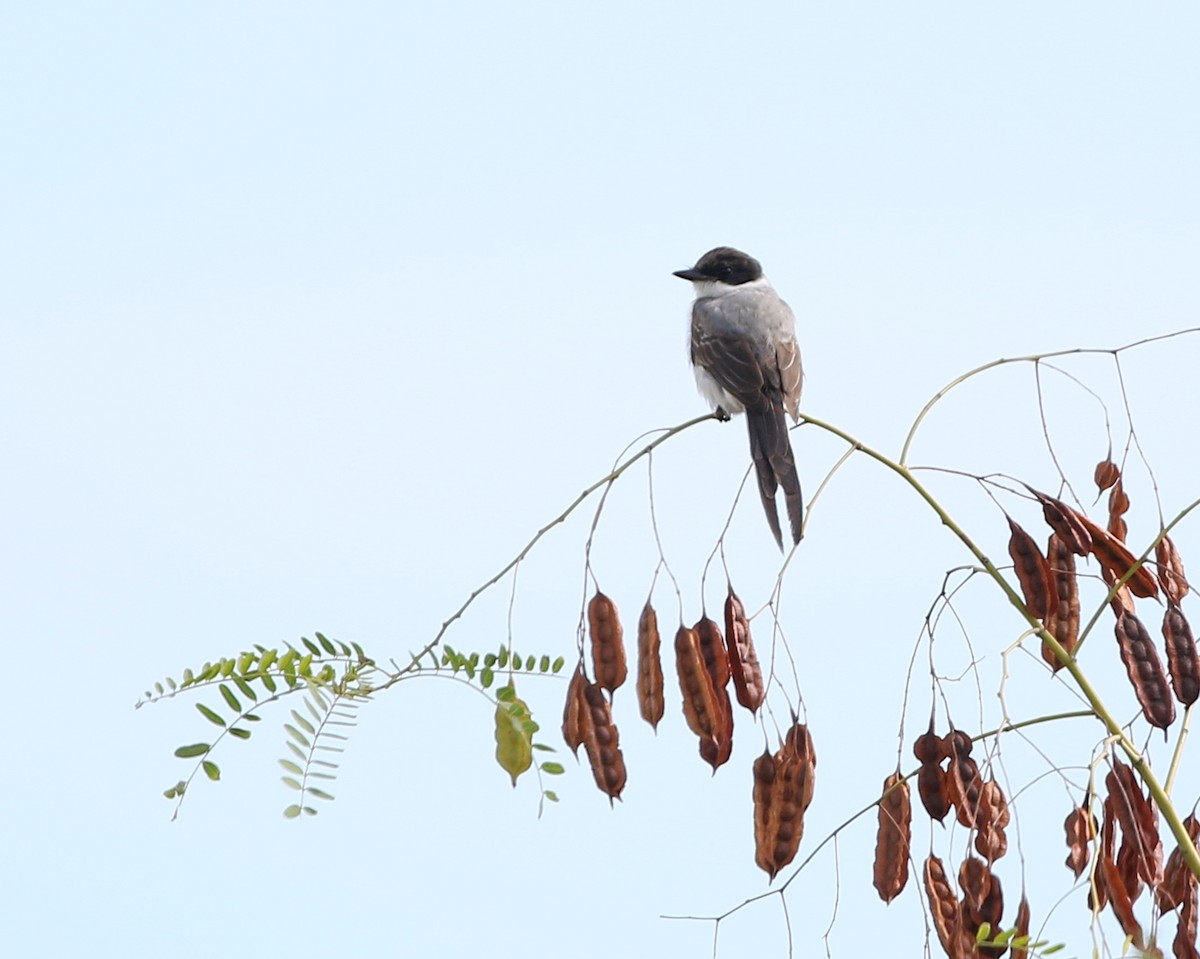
{"points": [[759, 374]]}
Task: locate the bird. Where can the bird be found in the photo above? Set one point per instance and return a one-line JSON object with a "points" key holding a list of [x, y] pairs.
{"points": [[746, 360]]}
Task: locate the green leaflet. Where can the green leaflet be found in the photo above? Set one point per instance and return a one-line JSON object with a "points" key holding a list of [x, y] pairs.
{"points": [[514, 744]]}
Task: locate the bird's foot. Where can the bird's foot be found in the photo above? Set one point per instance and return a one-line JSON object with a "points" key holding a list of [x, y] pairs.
{"points": [[722, 415]]}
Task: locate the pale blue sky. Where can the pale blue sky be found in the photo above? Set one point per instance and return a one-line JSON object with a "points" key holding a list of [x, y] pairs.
{"points": [[312, 314]]}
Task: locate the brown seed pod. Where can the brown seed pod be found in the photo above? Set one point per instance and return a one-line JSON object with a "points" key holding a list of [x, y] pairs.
{"points": [[1184, 945], [743, 659], [991, 842], [1065, 523], [1106, 474], [1182, 661], [712, 648], [717, 749], [1178, 882], [946, 914], [933, 788], [602, 742], [1118, 899], [964, 784], [928, 747], [1115, 557], [608, 648], [1021, 929], [575, 712], [701, 708], [1145, 671], [650, 674], [893, 838], [1033, 572], [1118, 500], [1139, 827], [1170, 571], [1064, 624], [982, 897], [783, 788], [1080, 826], [765, 774], [1127, 857]]}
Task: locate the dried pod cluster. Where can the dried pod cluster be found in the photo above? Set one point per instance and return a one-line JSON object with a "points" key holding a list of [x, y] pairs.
{"points": [[1129, 858], [588, 722], [783, 789], [704, 707]]}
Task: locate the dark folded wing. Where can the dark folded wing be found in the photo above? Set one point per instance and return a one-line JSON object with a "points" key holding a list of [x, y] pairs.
{"points": [[733, 362]]}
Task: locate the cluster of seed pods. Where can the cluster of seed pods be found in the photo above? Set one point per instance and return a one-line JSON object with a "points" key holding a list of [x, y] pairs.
{"points": [[707, 660], [1129, 859], [1049, 585]]}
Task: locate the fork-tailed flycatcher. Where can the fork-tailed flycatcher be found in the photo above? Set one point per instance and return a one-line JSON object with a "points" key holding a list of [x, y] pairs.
{"points": [[745, 358]]}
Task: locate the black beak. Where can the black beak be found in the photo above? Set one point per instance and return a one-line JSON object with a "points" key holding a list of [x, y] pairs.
{"points": [[689, 274]]}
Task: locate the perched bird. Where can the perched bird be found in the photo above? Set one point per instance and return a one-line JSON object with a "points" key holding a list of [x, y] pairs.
{"points": [[745, 358]]}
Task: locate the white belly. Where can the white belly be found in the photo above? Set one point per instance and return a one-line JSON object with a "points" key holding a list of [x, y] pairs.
{"points": [[712, 391]]}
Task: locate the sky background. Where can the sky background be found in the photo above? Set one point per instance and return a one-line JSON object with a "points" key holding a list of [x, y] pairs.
{"points": [[312, 314]]}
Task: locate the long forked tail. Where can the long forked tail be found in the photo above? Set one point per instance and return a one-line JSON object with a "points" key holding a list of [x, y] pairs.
{"points": [[775, 467]]}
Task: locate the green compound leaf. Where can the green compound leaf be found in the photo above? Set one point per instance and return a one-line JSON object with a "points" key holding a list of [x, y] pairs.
{"points": [[210, 715], [290, 782], [552, 796], [312, 647], [557, 665], [319, 793], [291, 767], [326, 645], [191, 752], [514, 749], [544, 664], [239, 732], [291, 812], [211, 770], [553, 769]]}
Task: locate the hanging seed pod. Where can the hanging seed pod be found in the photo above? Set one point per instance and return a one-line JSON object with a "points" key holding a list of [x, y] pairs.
{"points": [[700, 706], [1127, 857], [574, 712], [1115, 557], [933, 787], [1021, 929], [608, 649], [1178, 882], [1064, 624], [1065, 523], [929, 747], [1118, 899], [717, 749], [1106, 474], [1080, 827], [764, 787], [650, 674], [1139, 825], [1118, 506], [946, 915], [893, 838], [1033, 572], [712, 648], [1182, 661], [991, 841], [1145, 671], [783, 788], [962, 778], [983, 899], [1184, 945], [743, 660], [1170, 571], [602, 743]]}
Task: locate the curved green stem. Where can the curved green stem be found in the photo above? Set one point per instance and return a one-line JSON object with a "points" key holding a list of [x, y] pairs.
{"points": [[1161, 799]]}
